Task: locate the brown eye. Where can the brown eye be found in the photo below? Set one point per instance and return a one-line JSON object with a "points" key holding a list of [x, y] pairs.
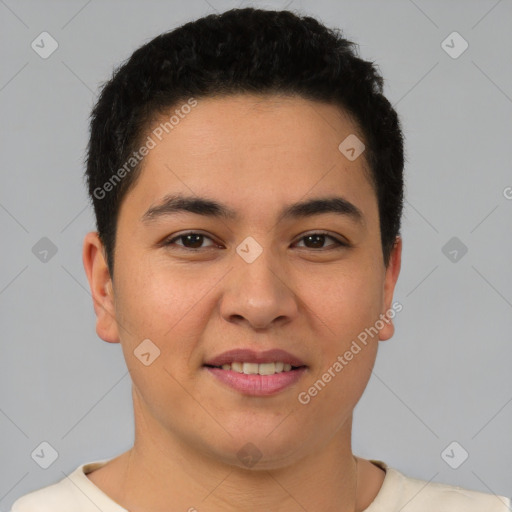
{"points": [[194, 241], [189, 241], [317, 240]]}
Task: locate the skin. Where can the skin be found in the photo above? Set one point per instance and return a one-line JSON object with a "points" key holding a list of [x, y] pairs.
{"points": [[256, 154]]}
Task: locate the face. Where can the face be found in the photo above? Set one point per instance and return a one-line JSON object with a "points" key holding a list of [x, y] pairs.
{"points": [[248, 282]]}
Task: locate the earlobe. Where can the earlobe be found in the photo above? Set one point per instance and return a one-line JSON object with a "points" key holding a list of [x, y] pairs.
{"points": [[392, 273], [101, 287], [388, 330]]}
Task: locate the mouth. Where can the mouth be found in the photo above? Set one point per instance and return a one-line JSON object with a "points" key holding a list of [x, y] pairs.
{"points": [[256, 373], [248, 368]]}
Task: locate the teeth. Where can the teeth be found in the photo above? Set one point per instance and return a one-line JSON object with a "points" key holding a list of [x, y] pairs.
{"points": [[250, 368], [267, 368], [258, 369], [237, 367]]}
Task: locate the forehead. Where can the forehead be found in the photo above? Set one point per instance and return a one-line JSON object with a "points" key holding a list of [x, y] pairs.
{"points": [[254, 152], [260, 125]]}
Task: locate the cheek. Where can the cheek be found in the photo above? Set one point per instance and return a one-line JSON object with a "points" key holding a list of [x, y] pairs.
{"points": [[349, 305], [166, 306], [347, 301], [158, 308], [153, 300]]}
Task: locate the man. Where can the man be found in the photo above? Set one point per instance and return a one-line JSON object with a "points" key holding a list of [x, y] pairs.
{"points": [[246, 175]]}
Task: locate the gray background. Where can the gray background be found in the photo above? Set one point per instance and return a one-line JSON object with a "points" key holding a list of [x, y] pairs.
{"points": [[445, 376]]}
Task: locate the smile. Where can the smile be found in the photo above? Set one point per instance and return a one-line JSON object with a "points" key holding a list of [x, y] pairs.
{"points": [[258, 369], [256, 373]]}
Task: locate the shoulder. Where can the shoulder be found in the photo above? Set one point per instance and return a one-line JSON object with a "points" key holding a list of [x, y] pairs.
{"points": [[53, 498], [414, 495], [426, 496], [73, 492]]}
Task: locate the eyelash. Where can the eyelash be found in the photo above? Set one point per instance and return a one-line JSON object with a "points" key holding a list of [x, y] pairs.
{"points": [[170, 241]]}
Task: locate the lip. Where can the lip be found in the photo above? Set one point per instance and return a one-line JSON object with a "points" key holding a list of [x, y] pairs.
{"points": [[242, 355], [256, 385]]}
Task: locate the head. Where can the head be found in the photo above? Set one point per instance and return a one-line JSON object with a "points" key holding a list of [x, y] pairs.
{"points": [[240, 51], [219, 129]]}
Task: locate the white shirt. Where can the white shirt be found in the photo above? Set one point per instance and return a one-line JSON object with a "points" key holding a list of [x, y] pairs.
{"points": [[398, 493]]}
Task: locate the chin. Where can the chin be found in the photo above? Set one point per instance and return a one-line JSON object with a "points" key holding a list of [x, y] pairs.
{"points": [[260, 447]]}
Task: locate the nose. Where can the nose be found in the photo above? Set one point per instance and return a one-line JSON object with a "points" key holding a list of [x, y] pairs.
{"points": [[259, 293]]}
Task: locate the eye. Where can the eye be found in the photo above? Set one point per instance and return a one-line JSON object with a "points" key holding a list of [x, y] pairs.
{"points": [[317, 240], [191, 240], [194, 241]]}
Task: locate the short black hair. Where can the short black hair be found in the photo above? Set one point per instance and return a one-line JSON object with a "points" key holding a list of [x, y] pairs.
{"points": [[251, 51]]}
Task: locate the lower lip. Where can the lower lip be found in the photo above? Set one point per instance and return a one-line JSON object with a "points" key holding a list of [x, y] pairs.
{"points": [[257, 385]]}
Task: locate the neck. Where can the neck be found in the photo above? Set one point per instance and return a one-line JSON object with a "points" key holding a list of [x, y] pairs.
{"points": [[160, 470]]}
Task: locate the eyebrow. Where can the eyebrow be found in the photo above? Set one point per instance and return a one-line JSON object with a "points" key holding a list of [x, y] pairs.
{"points": [[176, 203]]}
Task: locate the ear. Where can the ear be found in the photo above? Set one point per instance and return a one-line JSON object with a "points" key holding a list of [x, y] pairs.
{"points": [[98, 275], [392, 272]]}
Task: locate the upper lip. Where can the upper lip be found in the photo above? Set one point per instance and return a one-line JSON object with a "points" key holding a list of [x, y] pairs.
{"points": [[242, 355]]}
